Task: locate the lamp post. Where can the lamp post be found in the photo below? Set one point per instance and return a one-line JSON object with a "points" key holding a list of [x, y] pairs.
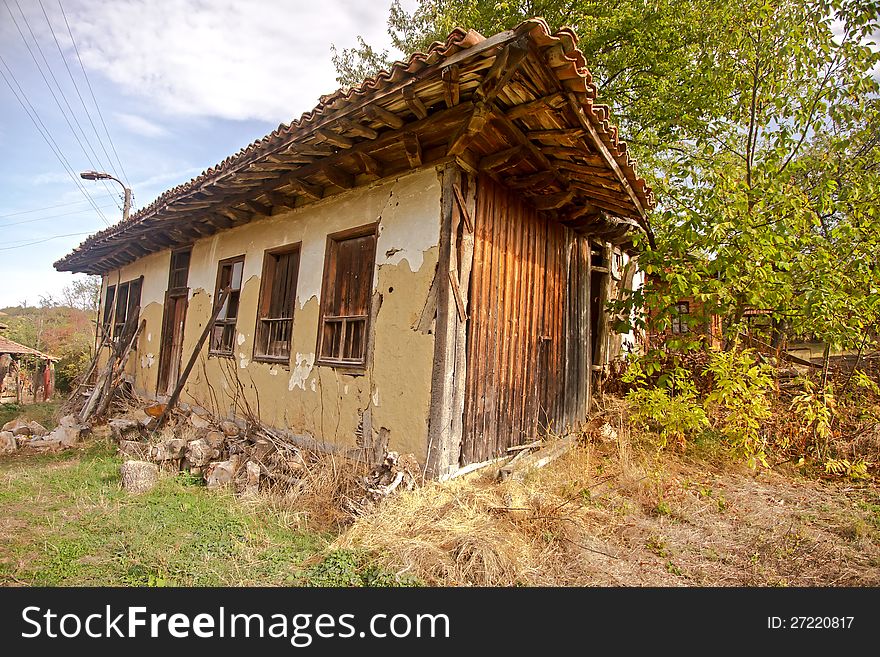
{"points": [[98, 175]]}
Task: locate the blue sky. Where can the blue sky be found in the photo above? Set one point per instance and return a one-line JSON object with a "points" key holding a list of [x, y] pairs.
{"points": [[181, 84]]}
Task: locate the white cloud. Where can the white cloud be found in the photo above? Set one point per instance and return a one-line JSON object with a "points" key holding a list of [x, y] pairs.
{"points": [[223, 58], [140, 126]]}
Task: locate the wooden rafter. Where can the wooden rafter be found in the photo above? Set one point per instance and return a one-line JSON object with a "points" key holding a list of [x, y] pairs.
{"points": [[451, 88], [413, 149], [381, 115]]}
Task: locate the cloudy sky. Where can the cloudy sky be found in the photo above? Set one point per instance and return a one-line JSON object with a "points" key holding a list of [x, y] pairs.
{"points": [[180, 85]]}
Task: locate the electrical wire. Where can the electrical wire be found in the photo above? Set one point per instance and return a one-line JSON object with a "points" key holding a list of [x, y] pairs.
{"points": [[94, 100], [52, 91], [48, 207], [45, 239], [51, 216], [79, 95], [47, 135]]}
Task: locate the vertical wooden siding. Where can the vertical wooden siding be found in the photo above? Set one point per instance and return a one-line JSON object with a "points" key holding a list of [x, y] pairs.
{"points": [[528, 330]]}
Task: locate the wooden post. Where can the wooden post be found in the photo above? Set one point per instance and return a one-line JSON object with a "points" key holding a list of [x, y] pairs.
{"points": [[445, 424], [172, 402]]}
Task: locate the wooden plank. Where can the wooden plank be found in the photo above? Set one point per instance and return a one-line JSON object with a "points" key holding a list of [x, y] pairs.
{"points": [[332, 138], [566, 135], [414, 103], [506, 64], [462, 208], [543, 104], [496, 160], [451, 88], [369, 164], [413, 149], [301, 187], [357, 129], [338, 177], [382, 115], [456, 291], [469, 129], [552, 201], [532, 180]]}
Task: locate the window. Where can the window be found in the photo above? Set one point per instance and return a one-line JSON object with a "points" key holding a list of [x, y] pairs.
{"points": [[345, 297], [108, 308], [277, 298], [679, 321], [229, 275], [128, 297], [178, 274]]}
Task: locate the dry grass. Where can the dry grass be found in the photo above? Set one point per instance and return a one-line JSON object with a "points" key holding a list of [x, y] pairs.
{"points": [[622, 514]]}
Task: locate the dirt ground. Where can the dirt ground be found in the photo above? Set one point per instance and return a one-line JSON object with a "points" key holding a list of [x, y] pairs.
{"points": [[610, 515]]}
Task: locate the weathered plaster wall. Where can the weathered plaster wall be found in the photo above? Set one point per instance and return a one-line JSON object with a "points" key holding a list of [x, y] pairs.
{"points": [[323, 403]]}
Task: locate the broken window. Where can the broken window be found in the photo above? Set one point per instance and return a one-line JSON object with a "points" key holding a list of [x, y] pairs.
{"points": [[345, 297], [108, 308], [128, 297], [679, 320], [277, 298], [178, 274], [229, 274]]}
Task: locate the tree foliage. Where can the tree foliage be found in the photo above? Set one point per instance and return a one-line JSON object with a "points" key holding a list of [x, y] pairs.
{"points": [[757, 124]]}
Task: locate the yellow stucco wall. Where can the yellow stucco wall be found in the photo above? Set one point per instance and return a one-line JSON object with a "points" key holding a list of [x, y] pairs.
{"points": [[319, 402]]}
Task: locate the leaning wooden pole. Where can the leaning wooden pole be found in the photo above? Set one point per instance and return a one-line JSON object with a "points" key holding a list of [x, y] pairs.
{"points": [[172, 402]]}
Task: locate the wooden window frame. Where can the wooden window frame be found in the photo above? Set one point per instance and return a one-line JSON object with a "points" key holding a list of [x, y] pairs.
{"points": [[117, 324], [108, 310], [360, 364], [225, 321], [176, 289], [265, 300], [679, 325]]}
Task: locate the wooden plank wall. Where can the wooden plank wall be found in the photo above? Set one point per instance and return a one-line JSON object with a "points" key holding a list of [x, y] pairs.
{"points": [[529, 326]]}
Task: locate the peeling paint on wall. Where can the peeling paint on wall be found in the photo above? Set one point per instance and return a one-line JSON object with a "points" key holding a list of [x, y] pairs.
{"points": [[304, 364]]}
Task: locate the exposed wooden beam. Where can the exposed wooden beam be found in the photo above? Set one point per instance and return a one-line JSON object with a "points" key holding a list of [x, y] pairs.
{"points": [[568, 136], [281, 201], [469, 129], [415, 105], [303, 188], [383, 116], [358, 129], [451, 89], [258, 208], [577, 153], [338, 177], [496, 160], [609, 158], [219, 221], [332, 138], [238, 216], [532, 180], [369, 164], [507, 62], [552, 201], [586, 169], [462, 207], [543, 104], [413, 149]]}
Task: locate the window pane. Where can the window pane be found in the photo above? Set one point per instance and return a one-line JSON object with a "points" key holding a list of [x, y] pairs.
{"points": [[237, 269]]}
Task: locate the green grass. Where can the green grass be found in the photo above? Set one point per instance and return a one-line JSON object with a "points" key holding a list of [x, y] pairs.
{"points": [[66, 521]]}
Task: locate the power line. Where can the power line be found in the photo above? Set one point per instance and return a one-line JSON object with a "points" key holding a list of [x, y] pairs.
{"points": [[76, 89], [46, 135], [51, 216], [48, 207], [45, 239], [51, 91], [95, 100]]}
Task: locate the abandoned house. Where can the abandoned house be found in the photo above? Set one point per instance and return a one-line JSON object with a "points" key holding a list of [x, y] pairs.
{"points": [[422, 259], [26, 375]]}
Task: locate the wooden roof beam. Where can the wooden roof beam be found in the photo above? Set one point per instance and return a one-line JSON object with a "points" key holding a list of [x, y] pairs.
{"points": [[451, 87], [531, 181], [258, 208], [338, 177], [381, 115], [552, 201], [369, 164], [332, 138], [499, 159], [469, 129], [506, 63], [543, 104], [413, 149], [357, 129], [414, 103], [281, 201], [301, 187]]}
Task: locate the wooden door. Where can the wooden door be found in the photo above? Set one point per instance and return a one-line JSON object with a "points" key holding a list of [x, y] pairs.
{"points": [[172, 343]]}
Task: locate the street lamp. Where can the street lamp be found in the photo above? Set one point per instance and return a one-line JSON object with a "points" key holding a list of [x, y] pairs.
{"points": [[98, 175]]}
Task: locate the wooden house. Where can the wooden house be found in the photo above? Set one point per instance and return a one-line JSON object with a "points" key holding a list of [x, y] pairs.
{"points": [[422, 259]]}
